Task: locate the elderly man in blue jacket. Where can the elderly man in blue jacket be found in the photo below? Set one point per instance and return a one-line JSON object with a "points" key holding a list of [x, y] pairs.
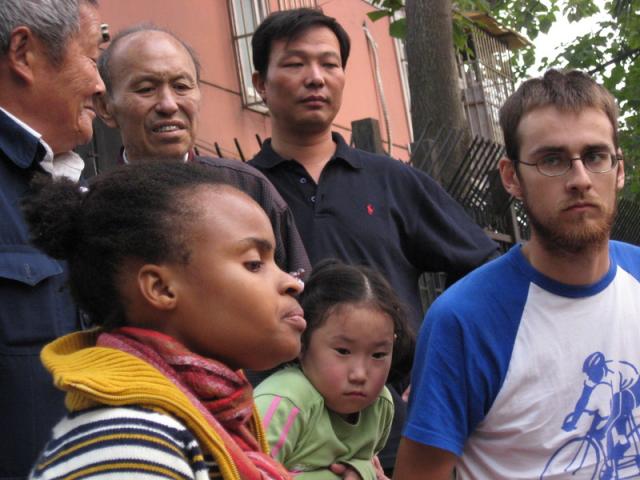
{"points": [[48, 77]]}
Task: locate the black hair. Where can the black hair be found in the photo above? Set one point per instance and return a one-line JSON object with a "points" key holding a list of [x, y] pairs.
{"points": [[289, 25], [105, 59], [139, 211], [333, 283]]}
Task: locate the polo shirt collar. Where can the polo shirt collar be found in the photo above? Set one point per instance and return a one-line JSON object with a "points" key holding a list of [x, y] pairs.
{"points": [[18, 142], [268, 158]]}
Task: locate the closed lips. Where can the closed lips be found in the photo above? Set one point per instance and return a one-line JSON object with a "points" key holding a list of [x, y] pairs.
{"points": [[296, 317], [315, 99]]}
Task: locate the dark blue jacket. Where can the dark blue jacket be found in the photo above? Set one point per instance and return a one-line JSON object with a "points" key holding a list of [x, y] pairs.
{"points": [[35, 308]]}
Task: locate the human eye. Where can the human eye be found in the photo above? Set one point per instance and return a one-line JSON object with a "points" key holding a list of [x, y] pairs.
{"points": [[596, 159], [292, 63], [182, 86], [143, 89], [380, 355], [254, 266], [342, 351], [553, 163], [551, 160]]}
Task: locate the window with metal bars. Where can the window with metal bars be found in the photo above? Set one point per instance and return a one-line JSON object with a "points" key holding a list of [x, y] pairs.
{"points": [[246, 15]]}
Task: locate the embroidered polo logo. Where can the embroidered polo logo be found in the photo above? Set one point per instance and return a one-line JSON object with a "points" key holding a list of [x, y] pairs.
{"points": [[370, 209]]}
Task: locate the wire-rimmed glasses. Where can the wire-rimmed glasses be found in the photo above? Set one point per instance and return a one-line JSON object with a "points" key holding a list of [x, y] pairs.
{"points": [[558, 163]]}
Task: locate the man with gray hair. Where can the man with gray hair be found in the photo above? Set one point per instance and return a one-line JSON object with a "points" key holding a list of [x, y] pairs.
{"points": [[48, 77]]}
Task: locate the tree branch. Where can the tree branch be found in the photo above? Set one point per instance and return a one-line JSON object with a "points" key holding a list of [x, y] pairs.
{"points": [[618, 58]]}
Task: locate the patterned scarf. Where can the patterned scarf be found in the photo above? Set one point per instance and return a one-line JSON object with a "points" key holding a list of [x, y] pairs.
{"points": [[223, 396]]}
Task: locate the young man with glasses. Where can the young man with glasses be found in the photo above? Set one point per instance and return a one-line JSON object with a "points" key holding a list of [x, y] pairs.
{"points": [[500, 364]]}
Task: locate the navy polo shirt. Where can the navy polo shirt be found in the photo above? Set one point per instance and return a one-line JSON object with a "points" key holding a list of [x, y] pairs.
{"points": [[371, 209], [35, 308]]}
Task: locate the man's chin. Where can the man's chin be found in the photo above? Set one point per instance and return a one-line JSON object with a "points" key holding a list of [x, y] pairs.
{"points": [[573, 238], [313, 125]]}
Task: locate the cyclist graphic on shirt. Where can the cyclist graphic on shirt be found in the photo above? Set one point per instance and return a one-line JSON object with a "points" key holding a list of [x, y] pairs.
{"points": [[610, 394]]}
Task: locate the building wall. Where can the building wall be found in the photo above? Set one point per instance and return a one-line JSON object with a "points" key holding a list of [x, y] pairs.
{"points": [[206, 26]]}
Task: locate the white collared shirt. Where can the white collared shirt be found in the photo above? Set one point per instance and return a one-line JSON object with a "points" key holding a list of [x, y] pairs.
{"points": [[68, 164]]}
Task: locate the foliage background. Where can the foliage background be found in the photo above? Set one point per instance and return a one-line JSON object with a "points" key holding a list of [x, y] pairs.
{"points": [[611, 53]]}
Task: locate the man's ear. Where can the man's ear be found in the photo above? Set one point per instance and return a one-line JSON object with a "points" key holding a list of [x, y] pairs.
{"points": [[23, 49], [620, 172], [155, 283], [103, 108], [509, 177], [258, 84]]}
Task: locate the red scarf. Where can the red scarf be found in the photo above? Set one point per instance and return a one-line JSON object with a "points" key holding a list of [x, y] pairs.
{"points": [[223, 396]]}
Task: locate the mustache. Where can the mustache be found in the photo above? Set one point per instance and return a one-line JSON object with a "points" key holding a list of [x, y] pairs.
{"points": [[582, 200]]}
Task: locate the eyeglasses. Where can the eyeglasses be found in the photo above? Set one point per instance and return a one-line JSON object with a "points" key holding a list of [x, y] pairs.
{"points": [[558, 163]]}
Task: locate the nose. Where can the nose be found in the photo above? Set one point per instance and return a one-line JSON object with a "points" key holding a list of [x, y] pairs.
{"points": [[293, 284], [99, 86], [357, 371], [315, 75], [578, 177], [166, 103]]}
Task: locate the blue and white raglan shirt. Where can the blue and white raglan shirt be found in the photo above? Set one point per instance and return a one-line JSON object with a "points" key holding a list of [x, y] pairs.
{"points": [[523, 377]]}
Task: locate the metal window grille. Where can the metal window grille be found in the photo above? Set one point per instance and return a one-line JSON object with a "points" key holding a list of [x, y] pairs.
{"points": [[246, 16], [487, 82], [289, 4]]}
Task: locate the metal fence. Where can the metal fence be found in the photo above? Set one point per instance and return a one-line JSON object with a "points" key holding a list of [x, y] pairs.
{"points": [[627, 225]]}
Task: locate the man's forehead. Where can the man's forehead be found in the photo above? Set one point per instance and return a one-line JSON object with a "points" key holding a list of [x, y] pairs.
{"points": [[294, 42], [147, 44], [90, 31], [552, 126]]}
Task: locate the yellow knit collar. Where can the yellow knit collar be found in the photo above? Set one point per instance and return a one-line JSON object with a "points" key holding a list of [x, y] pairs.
{"points": [[93, 375]]}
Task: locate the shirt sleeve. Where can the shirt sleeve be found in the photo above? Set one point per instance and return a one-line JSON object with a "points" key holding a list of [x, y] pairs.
{"points": [[283, 425], [438, 404], [460, 366], [441, 235], [291, 255], [386, 420]]}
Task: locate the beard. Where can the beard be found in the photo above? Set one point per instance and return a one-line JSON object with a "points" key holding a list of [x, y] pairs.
{"points": [[578, 235]]}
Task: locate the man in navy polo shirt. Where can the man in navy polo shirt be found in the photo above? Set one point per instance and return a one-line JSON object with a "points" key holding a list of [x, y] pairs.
{"points": [[357, 206], [350, 204], [48, 76]]}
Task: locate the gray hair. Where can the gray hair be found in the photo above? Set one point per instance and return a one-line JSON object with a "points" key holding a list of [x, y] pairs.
{"points": [[105, 57], [52, 21]]}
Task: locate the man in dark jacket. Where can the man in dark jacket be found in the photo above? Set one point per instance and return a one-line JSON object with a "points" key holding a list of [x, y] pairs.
{"points": [[153, 96]]}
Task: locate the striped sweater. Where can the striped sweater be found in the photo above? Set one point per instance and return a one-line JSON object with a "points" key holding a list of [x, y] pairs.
{"points": [[125, 414], [123, 442]]}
